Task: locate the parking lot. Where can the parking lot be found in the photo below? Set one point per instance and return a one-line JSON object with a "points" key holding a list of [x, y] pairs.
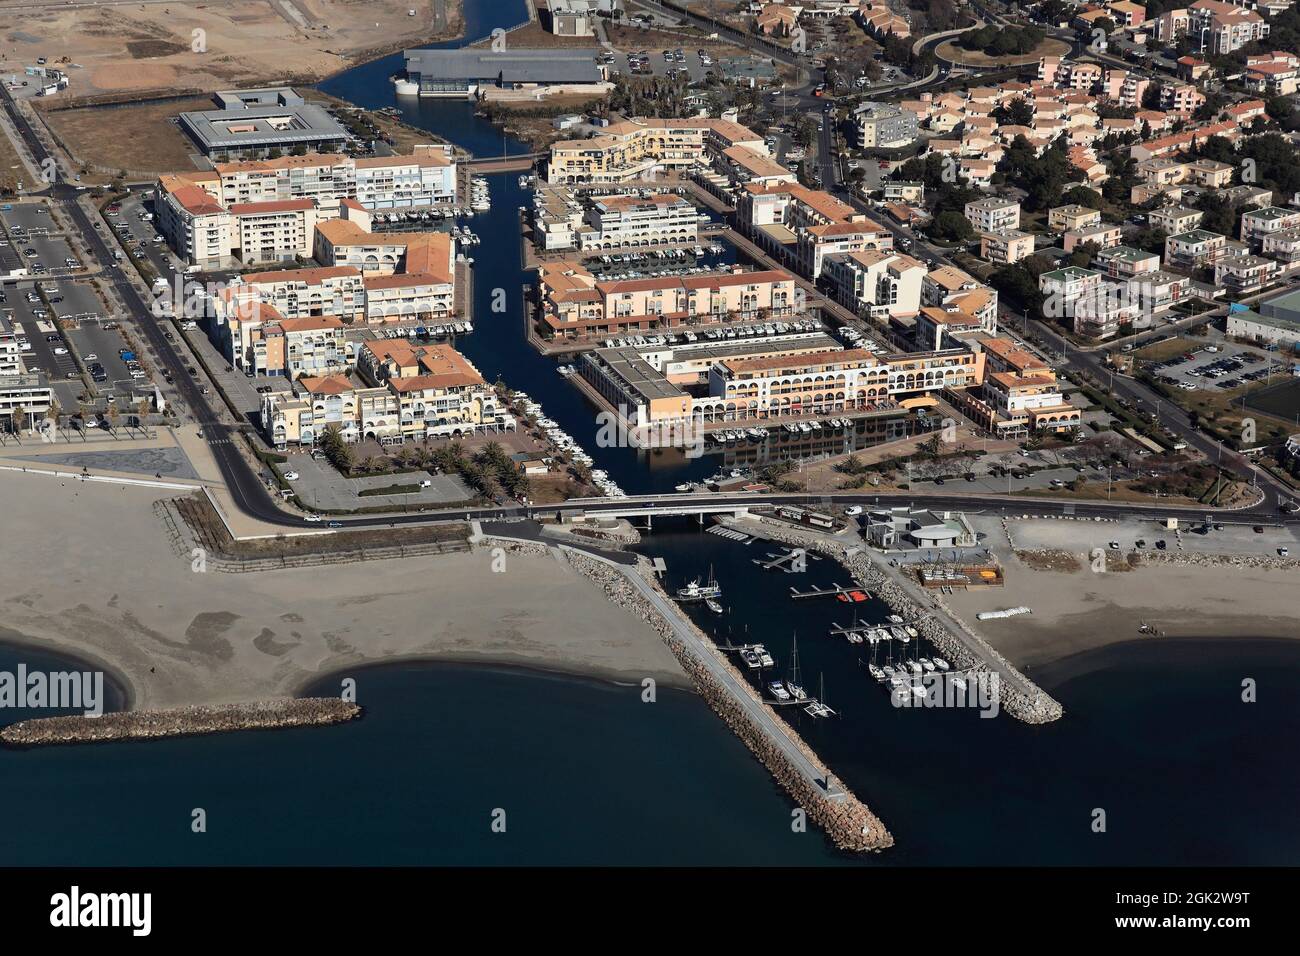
{"points": [[1220, 367], [654, 63], [72, 300], [28, 218], [99, 346], [320, 486], [139, 233], [46, 255]]}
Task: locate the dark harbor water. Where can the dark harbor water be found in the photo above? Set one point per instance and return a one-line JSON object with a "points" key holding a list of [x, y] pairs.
{"points": [[1155, 734]]}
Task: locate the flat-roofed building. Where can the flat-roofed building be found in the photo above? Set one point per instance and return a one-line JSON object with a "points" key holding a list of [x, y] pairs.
{"points": [[1242, 275], [577, 305], [1121, 262], [1258, 223], [1283, 247], [262, 122], [1063, 288], [464, 71], [877, 284], [1103, 235], [992, 214], [615, 222], [1173, 220], [25, 396], [884, 125], [1007, 246], [1193, 249], [425, 179], [1072, 217]]}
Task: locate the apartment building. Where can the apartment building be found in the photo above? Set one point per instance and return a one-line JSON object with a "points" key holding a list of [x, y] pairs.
{"points": [[1191, 250], [242, 211], [1259, 223], [1183, 99], [1102, 235], [1072, 217], [1101, 310], [1215, 27], [276, 231], [294, 348], [25, 397], [1243, 275], [425, 179], [951, 287], [614, 222], [1014, 405], [875, 283], [412, 393], [1007, 246], [884, 125], [300, 293], [816, 244], [639, 147], [992, 214], [1173, 220], [1063, 288], [574, 304], [1123, 262], [1276, 73], [1283, 246]]}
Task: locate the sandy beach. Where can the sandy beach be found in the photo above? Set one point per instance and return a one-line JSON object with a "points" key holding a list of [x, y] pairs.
{"points": [[99, 580], [1080, 610]]}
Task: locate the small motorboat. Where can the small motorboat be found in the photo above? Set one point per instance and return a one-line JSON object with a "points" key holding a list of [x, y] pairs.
{"points": [[713, 605]]}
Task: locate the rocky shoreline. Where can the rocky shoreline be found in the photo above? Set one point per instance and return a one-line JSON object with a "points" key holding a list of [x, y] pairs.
{"points": [[181, 722], [1039, 709], [848, 822]]}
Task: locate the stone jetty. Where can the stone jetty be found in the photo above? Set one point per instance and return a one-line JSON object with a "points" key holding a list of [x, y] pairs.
{"points": [[848, 822], [180, 722]]}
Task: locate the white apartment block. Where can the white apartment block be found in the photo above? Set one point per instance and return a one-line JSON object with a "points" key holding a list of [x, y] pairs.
{"points": [[993, 215], [615, 222], [877, 284]]}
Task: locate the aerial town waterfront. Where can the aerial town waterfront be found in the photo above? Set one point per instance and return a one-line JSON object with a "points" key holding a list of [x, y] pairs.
{"points": [[829, 402]]}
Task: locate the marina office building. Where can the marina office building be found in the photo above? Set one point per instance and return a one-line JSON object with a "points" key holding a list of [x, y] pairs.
{"points": [[261, 122]]}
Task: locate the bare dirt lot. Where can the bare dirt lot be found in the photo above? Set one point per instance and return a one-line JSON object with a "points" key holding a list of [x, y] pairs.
{"points": [[138, 137], [185, 44], [951, 52]]}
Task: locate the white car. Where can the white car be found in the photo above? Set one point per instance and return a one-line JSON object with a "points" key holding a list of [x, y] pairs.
{"points": [[853, 510], [60, 351], [313, 518], [290, 476], [91, 356]]}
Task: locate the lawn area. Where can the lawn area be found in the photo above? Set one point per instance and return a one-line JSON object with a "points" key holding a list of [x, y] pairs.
{"points": [[950, 51], [1167, 349], [139, 137]]}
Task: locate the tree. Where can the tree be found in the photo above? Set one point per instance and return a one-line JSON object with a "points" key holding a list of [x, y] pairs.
{"points": [[951, 225], [1015, 113], [18, 419], [1082, 196], [337, 451]]}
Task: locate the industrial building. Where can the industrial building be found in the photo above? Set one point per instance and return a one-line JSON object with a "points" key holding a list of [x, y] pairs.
{"points": [[465, 71]]}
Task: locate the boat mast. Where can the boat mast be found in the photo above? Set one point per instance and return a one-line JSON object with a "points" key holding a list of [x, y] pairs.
{"points": [[794, 659]]}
